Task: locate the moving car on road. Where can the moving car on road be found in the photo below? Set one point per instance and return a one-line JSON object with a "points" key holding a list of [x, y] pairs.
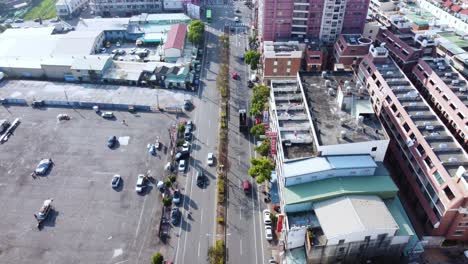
{"points": [[246, 186], [41, 216], [210, 159], [43, 166], [200, 178], [116, 181], [140, 184]]}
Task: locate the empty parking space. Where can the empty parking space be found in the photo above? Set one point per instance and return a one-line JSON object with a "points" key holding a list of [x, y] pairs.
{"points": [[91, 222]]}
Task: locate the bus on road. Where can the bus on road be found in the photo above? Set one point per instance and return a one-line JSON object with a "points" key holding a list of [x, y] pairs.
{"points": [[208, 15]]}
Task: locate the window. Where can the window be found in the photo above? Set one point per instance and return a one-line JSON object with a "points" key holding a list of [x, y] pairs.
{"points": [[428, 162], [373, 76], [453, 106], [394, 108], [460, 115], [421, 150], [431, 82], [406, 127], [458, 232], [341, 242], [449, 193], [374, 149]]}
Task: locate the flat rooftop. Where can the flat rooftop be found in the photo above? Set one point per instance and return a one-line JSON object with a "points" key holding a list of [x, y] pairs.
{"points": [[333, 124], [445, 147], [356, 39], [294, 129], [456, 83], [291, 48]]}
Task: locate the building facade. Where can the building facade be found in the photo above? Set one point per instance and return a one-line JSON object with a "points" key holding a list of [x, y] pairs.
{"points": [[281, 59], [68, 8], [109, 8], [301, 19], [349, 49], [446, 92], [433, 164]]}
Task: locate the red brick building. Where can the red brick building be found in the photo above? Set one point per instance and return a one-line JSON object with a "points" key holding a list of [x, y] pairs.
{"points": [[281, 59]]}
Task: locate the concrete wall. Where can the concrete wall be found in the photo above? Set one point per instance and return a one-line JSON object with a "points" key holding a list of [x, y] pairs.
{"points": [[56, 72], [310, 177], [358, 148], [172, 53], [281, 67]]}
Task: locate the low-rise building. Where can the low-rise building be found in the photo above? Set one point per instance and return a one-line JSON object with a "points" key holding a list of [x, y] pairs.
{"points": [[69, 8], [314, 55], [446, 92], [433, 164], [281, 59], [174, 45], [108, 8], [449, 12], [349, 49]]}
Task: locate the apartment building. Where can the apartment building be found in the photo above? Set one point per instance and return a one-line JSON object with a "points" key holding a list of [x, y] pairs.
{"points": [[67, 8], [281, 59], [433, 164], [405, 46], [349, 49], [453, 13], [338, 201], [125, 7], [314, 55], [300, 19], [446, 92]]}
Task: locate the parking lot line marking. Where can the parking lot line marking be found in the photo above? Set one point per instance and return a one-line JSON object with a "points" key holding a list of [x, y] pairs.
{"points": [[103, 172], [141, 216]]}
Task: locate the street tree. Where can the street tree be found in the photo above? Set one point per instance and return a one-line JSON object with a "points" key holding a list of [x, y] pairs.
{"points": [[216, 253], [259, 100], [157, 259], [264, 148], [261, 169], [257, 130], [196, 30], [252, 58]]}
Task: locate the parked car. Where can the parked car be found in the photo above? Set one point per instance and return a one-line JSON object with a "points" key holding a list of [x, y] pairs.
{"points": [[116, 181], [19, 20], [140, 184], [152, 149], [43, 166], [189, 125], [111, 141], [246, 186], [187, 134], [250, 84], [186, 147], [107, 115], [210, 159], [175, 215], [268, 233], [187, 105], [182, 155], [267, 217], [176, 198], [200, 178], [182, 165]]}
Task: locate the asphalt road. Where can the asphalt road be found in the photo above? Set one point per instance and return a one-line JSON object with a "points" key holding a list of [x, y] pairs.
{"points": [[245, 234]]}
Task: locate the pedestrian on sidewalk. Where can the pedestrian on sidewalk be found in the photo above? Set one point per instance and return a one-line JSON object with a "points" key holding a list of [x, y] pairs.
{"points": [[33, 175], [124, 122]]}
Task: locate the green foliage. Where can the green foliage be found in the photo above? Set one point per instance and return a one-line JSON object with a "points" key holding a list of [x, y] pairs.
{"points": [[196, 30], [257, 130], [264, 148], [172, 178], [261, 169], [44, 9], [181, 128], [259, 99], [157, 259], [180, 142], [167, 201], [274, 219], [216, 253], [224, 40], [252, 58], [220, 220], [167, 183]]}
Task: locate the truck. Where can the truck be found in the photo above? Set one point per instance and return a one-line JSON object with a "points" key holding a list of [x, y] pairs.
{"points": [[243, 125]]}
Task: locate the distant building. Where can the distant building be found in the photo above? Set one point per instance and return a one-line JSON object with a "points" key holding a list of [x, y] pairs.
{"points": [[281, 59], [446, 92], [404, 46], [109, 8], [451, 13], [314, 55], [301, 19], [432, 163], [349, 49], [68, 8]]}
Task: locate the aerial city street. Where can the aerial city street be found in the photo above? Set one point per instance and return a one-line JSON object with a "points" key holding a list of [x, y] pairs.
{"points": [[234, 131]]}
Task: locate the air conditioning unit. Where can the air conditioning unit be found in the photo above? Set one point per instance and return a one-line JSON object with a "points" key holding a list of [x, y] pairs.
{"points": [[429, 127], [409, 143], [442, 68], [389, 73], [455, 82], [448, 74], [463, 89]]}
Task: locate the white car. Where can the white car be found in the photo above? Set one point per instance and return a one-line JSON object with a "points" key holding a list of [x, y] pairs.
{"points": [[186, 147], [210, 159], [140, 184], [236, 19], [182, 165], [107, 115], [268, 233], [267, 217]]}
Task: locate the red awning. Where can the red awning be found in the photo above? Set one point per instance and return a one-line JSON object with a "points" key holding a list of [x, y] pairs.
{"points": [[456, 8], [279, 226]]}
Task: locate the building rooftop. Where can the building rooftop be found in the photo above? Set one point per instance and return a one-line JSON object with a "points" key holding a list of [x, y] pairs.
{"points": [[294, 123], [445, 147], [176, 37], [322, 164], [159, 18], [457, 84], [339, 123], [354, 214], [356, 39], [379, 184], [275, 49], [456, 39], [102, 24]]}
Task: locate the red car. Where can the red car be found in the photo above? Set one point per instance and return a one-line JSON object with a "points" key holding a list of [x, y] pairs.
{"points": [[235, 76]]}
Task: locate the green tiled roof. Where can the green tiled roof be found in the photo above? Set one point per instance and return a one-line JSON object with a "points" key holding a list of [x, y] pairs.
{"points": [[452, 37], [381, 186]]}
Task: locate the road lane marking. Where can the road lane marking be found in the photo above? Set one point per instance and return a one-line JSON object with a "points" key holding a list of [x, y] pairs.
{"points": [[240, 246], [141, 216], [201, 220], [240, 213], [198, 248], [239, 160]]}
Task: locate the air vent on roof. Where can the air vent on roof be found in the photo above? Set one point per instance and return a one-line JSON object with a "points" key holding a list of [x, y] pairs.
{"points": [[429, 127], [452, 159], [361, 90], [389, 73], [442, 68], [462, 89], [385, 66], [409, 143], [349, 89], [343, 134], [346, 83], [455, 82], [324, 74], [440, 63], [443, 146], [434, 134], [419, 113], [448, 74]]}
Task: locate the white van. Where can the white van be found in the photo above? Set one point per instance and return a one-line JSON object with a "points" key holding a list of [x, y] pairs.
{"points": [[253, 77]]}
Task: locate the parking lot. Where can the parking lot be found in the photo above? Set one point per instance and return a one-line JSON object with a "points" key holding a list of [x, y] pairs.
{"points": [[91, 222]]}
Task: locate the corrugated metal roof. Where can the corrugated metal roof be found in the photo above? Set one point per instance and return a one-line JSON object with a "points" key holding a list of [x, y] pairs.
{"points": [[353, 214], [382, 186], [176, 37]]}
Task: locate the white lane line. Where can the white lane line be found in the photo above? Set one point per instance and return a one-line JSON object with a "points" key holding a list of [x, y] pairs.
{"points": [[141, 216], [240, 213], [201, 219], [253, 211], [240, 246], [198, 248], [239, 160], [209, 123]]}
